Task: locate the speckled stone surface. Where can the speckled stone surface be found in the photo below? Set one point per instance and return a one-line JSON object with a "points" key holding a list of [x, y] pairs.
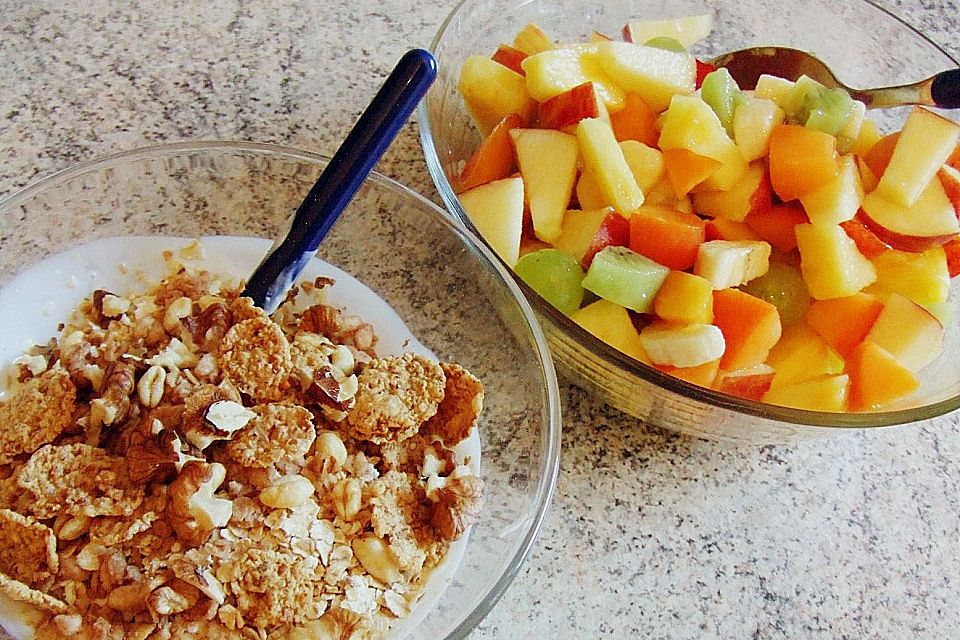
{"points": [[651, 534]]}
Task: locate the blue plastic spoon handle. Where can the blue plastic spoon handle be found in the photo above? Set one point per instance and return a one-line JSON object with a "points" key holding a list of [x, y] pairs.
{"points": [[338, 183]]}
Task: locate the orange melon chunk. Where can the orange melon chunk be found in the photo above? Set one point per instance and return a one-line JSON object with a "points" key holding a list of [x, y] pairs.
{"points": [[877, 379], [750, 327], [844, 322], [821, 394], [801, 159]]}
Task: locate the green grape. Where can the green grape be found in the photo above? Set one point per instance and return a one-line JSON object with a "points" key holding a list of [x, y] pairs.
{"points": [[555, 275], [666, 43], [783, 287], [720, 91], [625, 277]]}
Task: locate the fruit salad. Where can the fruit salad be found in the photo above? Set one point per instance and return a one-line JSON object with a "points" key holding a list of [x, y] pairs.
{"points": [[771, 244]]}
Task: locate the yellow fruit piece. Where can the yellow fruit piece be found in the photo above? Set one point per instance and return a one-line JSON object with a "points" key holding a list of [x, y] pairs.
{"points": [[646, 163], [548, 164], [603, 158], [773, 88], [552, 72], [492, 92], [682, 345], [921, 277], [908, 331], [731, 263], [877, 379], [802, 355], [831, 264], [588, 192], [828, 393], [687, 30], [869, 135], [925, 143], [611, 323], [578, 230], [838, 199], [684, 297], [532, 40], [496, 209], [653, 74]]}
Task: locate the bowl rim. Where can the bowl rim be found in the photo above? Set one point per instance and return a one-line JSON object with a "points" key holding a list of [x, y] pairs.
{"points": [[599, 349], [551, 432]]}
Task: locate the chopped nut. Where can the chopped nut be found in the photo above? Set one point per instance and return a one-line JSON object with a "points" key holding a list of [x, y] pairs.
{"points": [[177, 310], [150, 388], [128, 598], [194, 511], [458, 506], [166, 602], [289, 493], [377, 558], [72, 527], [229, 416], [347, 497], [329, 451], [113, 306], [68, 625]]}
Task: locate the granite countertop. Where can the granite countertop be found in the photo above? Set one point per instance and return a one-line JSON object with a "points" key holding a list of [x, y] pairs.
{"points": [[651, 534]]}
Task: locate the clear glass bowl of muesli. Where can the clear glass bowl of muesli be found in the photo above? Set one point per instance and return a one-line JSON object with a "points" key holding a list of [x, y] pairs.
{"points": [[374, 460]]}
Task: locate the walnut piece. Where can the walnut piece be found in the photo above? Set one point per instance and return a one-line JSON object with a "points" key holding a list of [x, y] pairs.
{"points": [[458, 505], [194, 511]]}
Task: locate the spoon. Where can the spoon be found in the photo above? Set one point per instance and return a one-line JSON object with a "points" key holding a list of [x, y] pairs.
{"points": [[746, 65], [376, 128]]}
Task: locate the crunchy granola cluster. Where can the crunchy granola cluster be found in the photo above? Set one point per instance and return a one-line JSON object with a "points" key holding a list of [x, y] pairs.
{"points": [[177, 464]]}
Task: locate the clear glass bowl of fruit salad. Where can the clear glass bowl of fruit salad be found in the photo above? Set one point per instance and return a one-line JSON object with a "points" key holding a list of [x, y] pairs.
{"points": [[689, 256], [422, 282]]}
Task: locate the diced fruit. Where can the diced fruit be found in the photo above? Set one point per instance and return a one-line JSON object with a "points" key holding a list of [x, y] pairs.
{"points": [[783, 287], [555, 275], [818, 107], [510, 57], [952, 252], [665, 43], [954, 159], [878, 157], [751, 194], [750, 327], [801, 355], [908, 331], [828, 393], [925, 143], [877, 379], [646, 163], [687, 30], [653, 74], [496, 209], [801, 160], [724, 229], [623, 276], [684, 297], [588, 192], [831, 264], [548, 184], [773, 88], [614, 231], [636, 121], [869, 136], [493, 159], [603, 158], [753, 122], [844, 322], [552, 72], [930, 221], [866, 240], [682, 345], [667, 236], [838, 199], [611, 323], [703, 70], [492, 92], [849, 134], [950, 181], [686, 169], [867, 178], [570, 107], [702, 375], [579, 229], [691, 124], [749, 384], [731, 263], [776, 225], [720, 91], [922, 277], [532, 40]]}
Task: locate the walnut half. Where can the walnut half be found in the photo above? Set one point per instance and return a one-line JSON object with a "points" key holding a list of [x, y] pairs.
{"points": [[458, 502], [194, 510]]}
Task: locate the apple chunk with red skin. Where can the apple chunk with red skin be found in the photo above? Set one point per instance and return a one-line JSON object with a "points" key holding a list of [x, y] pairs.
{"points": [[908, 331], [510, 57], [570, 107], [929, 222], [950, 181]]}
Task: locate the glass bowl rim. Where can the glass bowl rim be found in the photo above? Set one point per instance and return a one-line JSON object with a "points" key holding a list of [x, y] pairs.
{"points": [[647, 373], [550, 435]]}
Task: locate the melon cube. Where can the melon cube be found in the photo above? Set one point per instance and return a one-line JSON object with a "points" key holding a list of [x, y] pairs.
{"points": [[877, 379], [750, 327], [611, 323], [828, 393], [685, 297]]}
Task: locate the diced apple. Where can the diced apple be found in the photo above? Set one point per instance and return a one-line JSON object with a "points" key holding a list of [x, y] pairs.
{"points": [[869, 135], [684, 298], [750, 195], [532, 40], [570, 107], [750, 383], [510, 57], [952, 251], [868, 179], [496, 209], [686, 169], [950, 181], [922, 277], [578, 230], [773, 88], [753, 122], [750, 327], [831, 264], [801, 354], [844, 322], [801, 160], [682, 345], [866, 240], [611, 323], [691, 124], [687, 30], [614, 231], [552, 72], [646, 163], [838, 199], [604, 159], [930, 221], [925, 143], [877, 379], [588, 192], [493, 159], [492, 92], [636, 121], [548, 164], [909, 332], [653, 74], [731, 263], [828, 393]]}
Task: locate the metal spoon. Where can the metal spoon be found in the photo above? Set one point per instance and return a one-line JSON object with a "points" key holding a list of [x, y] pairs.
{"points": [[376, 128], [746, 65]]}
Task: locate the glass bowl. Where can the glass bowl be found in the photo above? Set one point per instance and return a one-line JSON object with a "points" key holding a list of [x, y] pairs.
{"points": [[442, 282], [866, 45]]}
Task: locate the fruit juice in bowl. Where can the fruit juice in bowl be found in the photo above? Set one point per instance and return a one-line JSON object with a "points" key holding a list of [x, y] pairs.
{"points": [[733, 264]]}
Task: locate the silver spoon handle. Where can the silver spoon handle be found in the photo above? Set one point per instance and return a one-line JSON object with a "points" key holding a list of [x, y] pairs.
{"points": [[941, 90]]}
